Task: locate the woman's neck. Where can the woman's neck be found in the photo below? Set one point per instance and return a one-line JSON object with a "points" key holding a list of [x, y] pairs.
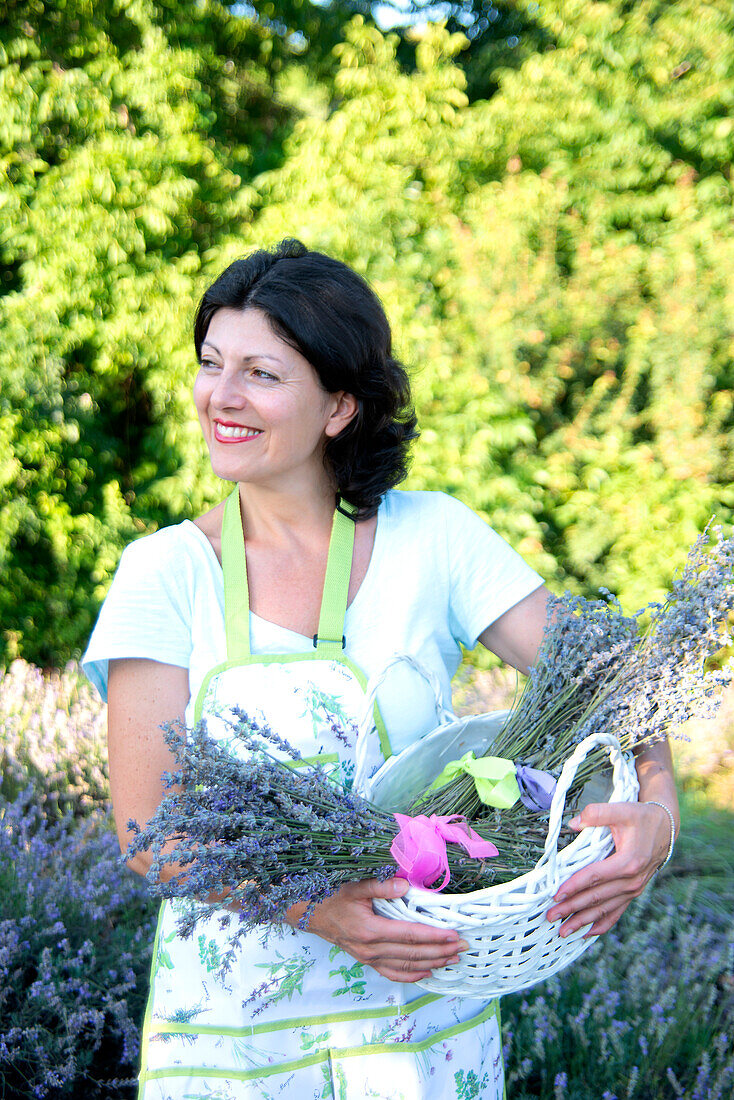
{"points": [[278, 517]]}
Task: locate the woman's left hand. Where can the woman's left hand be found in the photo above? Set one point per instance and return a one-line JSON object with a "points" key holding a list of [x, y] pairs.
{"points": [[600, 893]]}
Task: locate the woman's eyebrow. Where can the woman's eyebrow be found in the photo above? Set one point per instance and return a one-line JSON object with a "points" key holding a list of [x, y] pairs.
{"points": [[245, 358]]}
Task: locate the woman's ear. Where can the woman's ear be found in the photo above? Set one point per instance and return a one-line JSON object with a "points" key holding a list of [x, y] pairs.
{"points": [[344, 410]]}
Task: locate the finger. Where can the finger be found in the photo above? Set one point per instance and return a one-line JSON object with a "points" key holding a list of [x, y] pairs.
{"points": [[616, 866], [400, 975], [599, 927], [592, 898], [605, 813], [373, 888], [404, 966], [384, 930], [419, 957], [408, 968], [598, 914]]}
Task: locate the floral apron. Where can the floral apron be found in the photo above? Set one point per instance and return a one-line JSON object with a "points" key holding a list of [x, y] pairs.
{"points": [[295, 1017]]}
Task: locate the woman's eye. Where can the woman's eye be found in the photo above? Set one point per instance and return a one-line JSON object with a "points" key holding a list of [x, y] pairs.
{"points": [[260, 372], [208, 364]]}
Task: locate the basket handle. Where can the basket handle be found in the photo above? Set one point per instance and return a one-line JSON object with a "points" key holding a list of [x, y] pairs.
{"points": [[374, 685], [548, 860], [367, 725]]}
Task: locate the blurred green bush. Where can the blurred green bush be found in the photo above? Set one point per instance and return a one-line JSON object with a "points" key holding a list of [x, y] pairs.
{"points": [[555, 258]]}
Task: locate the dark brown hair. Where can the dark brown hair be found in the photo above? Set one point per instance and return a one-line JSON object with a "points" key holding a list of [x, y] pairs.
{"points": [[330, 314]]}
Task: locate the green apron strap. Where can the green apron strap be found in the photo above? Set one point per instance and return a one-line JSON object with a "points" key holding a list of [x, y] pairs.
{"points": [[236, 592], [329, 641]]}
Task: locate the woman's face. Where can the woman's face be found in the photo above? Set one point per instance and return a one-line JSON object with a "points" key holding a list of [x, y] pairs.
{"points": [[263, 412]]}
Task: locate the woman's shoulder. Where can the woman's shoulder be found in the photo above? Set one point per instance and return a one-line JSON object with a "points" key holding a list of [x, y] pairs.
{"points": [[158, 581], [175, 550], [166, 540], [424, 505], [210, 526], [422, 525], [442, 521], [418, 500]]}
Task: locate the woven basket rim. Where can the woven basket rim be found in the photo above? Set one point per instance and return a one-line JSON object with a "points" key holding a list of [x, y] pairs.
{"points": [[417, 894]]}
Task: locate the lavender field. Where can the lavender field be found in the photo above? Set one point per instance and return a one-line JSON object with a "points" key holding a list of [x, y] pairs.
{"points": [[647, 1013]]}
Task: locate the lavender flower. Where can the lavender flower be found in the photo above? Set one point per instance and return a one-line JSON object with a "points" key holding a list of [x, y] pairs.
{"points": [[72, 964], [54, 736], [271, 834], [648, 1006], [600, 671]]}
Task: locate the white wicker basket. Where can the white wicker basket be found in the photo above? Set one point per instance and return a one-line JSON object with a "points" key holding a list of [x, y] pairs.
{"points": [[512, 945]]}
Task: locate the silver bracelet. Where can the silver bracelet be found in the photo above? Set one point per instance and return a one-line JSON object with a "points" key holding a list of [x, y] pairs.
{"points": [[672, 830]]}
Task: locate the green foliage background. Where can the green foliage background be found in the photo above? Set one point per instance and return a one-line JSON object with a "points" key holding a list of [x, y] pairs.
{"points": [[544, 204]]}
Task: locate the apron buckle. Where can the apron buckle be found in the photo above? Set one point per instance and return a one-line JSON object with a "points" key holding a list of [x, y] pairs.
{"points": [[350, 511], [329, 641]]}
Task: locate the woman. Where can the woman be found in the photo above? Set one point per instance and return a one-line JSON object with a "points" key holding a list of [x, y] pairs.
{"points": [[283, 600]]}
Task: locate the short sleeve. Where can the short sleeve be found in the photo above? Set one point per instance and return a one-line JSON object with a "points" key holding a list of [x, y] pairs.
{"points": [[147, 611], [487, 577]]}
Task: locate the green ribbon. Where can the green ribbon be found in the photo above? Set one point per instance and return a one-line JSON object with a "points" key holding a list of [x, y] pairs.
{"points": [[494, 778]]}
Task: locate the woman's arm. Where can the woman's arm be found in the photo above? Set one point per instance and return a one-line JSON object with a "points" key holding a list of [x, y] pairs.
{"points": [[516, 636], [143, 695], [599, 893]]}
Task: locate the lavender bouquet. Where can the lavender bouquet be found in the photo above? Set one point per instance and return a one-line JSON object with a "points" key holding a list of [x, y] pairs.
{"points": [[601, 671], [272, 833]]}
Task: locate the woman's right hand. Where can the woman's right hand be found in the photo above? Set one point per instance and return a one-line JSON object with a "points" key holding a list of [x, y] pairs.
{"points": [[399, 950]]}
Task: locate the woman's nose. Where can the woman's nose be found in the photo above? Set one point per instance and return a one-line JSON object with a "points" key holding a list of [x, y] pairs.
{"points": [[229, 391]]}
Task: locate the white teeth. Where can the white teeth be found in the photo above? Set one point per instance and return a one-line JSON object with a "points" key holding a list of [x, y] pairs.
{"points": [[236, 433]]}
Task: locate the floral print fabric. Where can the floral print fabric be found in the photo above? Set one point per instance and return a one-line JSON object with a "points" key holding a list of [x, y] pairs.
{"points": [[296, 1017]]}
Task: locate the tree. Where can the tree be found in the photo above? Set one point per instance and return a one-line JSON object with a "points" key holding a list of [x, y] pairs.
{"points": [[554, 260], [127, 133]]}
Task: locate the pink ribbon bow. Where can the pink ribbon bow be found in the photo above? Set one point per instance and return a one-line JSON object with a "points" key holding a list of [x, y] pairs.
{"points": [[419, 849]]}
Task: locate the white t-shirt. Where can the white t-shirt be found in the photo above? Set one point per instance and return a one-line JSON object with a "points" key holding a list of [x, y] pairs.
{"points": [[438, 576]]}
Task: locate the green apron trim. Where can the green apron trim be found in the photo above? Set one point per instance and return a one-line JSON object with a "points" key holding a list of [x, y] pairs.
{"points": [[288, 658], [166, 1028], [502, 1049], [237, 1074], [424, 1044], [236, 591], [330, 1054], [309, 761], [145, 1034], [329, 638], [330, 635]]}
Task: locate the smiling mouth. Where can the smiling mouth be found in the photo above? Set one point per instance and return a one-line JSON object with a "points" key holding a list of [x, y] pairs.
{"points": [[234, 433]]}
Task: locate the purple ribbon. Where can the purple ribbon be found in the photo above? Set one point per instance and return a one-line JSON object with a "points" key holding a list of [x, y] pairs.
{"points": [[536, 788]]}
